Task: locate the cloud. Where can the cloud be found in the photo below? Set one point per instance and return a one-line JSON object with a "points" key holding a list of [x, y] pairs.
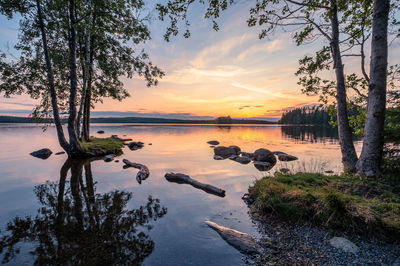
{"points": [[271, 46], [249, 106], [20, 104]]}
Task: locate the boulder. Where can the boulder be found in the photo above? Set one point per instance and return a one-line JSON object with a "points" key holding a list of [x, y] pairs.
{"points": [[213, 142], [264, 155], [42, 153], [217, 157], [343, 244], [109, 157], [135, 145], [232, 157], [263, 166], [236, 148], [286, 157], [100, 132], [242, 159], [224, 152], [247, 154]]}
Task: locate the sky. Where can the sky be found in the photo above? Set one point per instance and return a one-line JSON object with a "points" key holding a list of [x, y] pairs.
{"points": [[229, 72]]}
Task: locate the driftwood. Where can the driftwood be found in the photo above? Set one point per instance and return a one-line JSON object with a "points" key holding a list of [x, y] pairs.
{"points": [[241, 241], [143, 173], [185, 179]]}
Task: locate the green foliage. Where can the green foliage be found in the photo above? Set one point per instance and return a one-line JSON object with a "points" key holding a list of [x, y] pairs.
{"points": [[337, 202], [313, 115], [116, 28], [102, 146]]}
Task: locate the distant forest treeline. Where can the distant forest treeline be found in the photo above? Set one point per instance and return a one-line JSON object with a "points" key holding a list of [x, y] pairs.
{"points": [[223, 120], [306, 116]]}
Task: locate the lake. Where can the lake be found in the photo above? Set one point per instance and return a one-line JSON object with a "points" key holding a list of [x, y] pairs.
{"points": [[90, 211]]}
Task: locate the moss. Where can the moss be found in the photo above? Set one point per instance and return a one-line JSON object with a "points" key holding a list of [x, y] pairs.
{"points": [[337, 202], [102, 146]]}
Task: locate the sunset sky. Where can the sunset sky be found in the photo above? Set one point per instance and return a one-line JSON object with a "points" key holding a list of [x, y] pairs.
{"points": [[229, 72]]}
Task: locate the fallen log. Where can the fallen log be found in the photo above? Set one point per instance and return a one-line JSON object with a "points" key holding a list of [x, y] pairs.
{"points": [[143, 173], [241, 241], [185, 179]]}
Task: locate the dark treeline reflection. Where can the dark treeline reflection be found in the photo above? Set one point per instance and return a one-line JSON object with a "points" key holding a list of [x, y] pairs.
{"points": [[76, 226], [310, 133]]}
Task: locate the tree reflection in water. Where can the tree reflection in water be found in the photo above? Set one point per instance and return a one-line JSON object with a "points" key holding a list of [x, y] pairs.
{"points": [[76, 226]]}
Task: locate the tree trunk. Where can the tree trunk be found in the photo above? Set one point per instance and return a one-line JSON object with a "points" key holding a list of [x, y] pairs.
{"points": [[371, 154], [85, 61], [75, 145], [349, 156], [88, 96], [50, 78]]}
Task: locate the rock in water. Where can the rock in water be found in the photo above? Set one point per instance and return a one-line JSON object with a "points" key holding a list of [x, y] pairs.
{"points": [[217, 157], [264, 155], [100, 132], [235, 148], [135, 145], [60, 152], [286, 157], [343, 244], [109, 157], [213, 142], [243, 159], [241, 241], [225, 152], [263, 166], [42, 153]]}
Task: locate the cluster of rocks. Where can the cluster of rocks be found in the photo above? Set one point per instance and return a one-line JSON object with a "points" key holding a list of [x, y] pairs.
{"points": [[135, 145], [263, 159]]}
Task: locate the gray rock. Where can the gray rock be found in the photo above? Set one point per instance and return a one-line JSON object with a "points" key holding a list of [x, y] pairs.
{"points": [[224, 151], [135, 145], [236, 148], [247, 154], [278, 152], [241, 241], [286, 157], [243, 159], [42, 153], [264, 155], [109, 157], [213, 142], [263, 166], [343, 244], [217, 157], [232, 157]]}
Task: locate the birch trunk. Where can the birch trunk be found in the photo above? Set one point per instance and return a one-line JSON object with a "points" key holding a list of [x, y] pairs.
{"points": [[349, 156], [75, 145], [50, 78], [371, 154]]}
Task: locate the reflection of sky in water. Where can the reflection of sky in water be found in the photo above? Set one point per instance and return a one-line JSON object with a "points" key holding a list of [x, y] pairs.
{"points": [[181, 237]]}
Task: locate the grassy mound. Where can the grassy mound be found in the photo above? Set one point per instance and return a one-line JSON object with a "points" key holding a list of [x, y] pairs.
{"points": [[102, 146], [337, 202]]}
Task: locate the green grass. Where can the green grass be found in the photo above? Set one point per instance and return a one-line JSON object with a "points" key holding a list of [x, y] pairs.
{"points": [[102, 146], [344, 203]]}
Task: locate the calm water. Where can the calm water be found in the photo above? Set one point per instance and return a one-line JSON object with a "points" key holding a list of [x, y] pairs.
{"points": [[86, 211]]}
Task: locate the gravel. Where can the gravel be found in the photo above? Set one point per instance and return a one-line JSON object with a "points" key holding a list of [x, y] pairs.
{"points": [[290, 244]]}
